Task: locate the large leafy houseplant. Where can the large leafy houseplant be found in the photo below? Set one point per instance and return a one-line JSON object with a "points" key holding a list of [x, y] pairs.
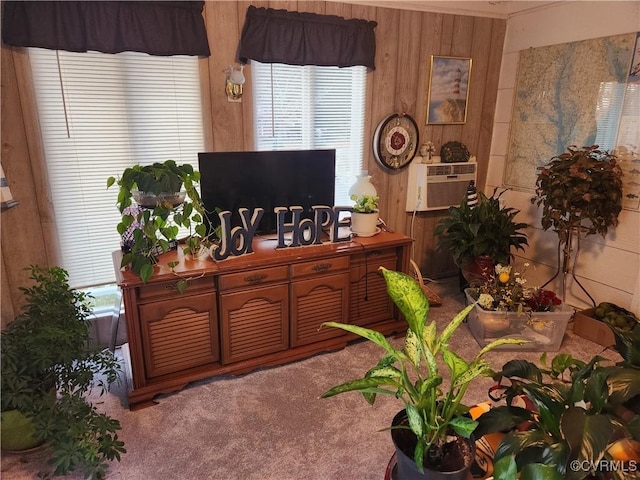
{"points": [[580, 192], [580, 189], [48, 371], [152, 227], [582, 414], [486, 229], [412, 374]]}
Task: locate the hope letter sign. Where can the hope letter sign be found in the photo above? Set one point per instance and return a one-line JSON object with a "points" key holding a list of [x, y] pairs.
{"points": [[304, 231]]}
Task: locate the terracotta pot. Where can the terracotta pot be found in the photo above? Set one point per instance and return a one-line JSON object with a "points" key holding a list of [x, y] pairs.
{"points": [[404, 442], [477, 269]]}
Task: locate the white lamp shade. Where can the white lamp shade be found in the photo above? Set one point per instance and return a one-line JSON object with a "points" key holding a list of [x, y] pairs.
{"points": [[363, 186]]}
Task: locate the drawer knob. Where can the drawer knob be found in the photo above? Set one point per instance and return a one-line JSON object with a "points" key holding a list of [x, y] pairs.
{"points": [[321, 267], [258, 277]]}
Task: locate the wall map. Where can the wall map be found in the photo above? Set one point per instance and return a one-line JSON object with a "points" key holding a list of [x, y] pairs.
{"points": [[579, 93]]}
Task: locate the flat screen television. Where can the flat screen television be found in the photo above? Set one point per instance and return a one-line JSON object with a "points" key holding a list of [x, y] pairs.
{"points": [[266, 179]]}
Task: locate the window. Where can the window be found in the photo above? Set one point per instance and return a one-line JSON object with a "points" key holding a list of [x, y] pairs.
{"points": [[100, 113], [310, 107]]}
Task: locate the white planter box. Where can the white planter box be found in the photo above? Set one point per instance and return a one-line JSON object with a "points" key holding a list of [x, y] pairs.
{"points": [[543, 330]]}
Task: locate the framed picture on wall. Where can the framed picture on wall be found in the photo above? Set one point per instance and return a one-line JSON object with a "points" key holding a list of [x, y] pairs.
{"points": [[448, 90]]}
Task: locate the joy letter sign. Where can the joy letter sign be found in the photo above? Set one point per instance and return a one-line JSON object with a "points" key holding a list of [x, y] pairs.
{"points": [[304, 231]]}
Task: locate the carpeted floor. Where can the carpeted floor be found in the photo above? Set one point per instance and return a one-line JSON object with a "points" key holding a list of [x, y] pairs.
{"points": [[271, 424]]}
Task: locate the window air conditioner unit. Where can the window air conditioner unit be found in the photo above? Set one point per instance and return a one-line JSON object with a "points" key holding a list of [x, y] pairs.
{"points": [[437, 186]]}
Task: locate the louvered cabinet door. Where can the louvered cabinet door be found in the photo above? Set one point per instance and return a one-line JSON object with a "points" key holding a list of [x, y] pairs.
{"points": [[179, 333], [314, 301], [254, 322], [369, 302]]}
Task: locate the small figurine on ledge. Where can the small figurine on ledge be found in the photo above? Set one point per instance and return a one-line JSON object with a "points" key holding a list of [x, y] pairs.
{"points": [[427, 150]]}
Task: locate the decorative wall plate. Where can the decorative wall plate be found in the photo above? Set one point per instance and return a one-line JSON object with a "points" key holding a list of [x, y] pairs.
{"points": [[395, 141], [452, 152]]}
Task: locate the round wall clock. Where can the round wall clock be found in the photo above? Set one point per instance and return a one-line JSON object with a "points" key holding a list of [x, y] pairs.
{"points": [[395, 141]]}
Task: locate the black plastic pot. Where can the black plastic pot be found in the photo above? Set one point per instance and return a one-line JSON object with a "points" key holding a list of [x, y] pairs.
{"points": [[404, 442]]}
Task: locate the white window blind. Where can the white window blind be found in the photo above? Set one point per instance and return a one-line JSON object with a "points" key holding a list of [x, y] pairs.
{"points": [[100, 113], [310, 107], [608, 109]]}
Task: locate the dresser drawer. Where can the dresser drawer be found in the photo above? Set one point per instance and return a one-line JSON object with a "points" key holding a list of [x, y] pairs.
{"points": [[369, 262], [319, 267], [253, 277], [167, 289]]}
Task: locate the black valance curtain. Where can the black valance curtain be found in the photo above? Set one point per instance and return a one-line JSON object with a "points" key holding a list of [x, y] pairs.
{"points": [[296, 38], [153, 27]]}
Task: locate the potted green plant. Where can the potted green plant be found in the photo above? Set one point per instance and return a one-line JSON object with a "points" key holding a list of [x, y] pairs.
{"points": [[48, 371], [580, 192], [433, 421], [581, 422], [481, 235], [364, 218], [152, 227]]}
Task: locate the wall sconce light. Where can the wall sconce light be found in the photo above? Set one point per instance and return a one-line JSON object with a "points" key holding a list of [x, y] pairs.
{"points": [[5, 193], [235, 80]]}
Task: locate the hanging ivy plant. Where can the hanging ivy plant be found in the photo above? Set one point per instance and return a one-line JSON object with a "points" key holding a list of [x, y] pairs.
{"points": [[153, 226], [580, 188]]}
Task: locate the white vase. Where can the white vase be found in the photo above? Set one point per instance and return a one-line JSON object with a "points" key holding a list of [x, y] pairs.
{"points": [[363, 186], [364, 224]]}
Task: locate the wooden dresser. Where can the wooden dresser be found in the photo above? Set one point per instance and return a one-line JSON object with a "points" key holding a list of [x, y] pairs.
{"points": [[260, 309]]}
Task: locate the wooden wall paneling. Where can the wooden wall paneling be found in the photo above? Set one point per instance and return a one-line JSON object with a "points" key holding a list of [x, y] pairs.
{"points": [[432, 26], [460, 31], [35, 153], [292, 5], [205, 94], [205, 102], [424, 57], [481, 43], [23, 236], [446, 36], [368, 13], [247, 96], [494, 61], [384, 95], [223, 33], [449, 132], [414, 225], [311, 6], [340, 9], [462, 36], [461, 47], [407, 74]]}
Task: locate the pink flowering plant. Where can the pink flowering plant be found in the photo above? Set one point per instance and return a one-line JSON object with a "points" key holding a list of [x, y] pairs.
{"points": [[505, 289]]}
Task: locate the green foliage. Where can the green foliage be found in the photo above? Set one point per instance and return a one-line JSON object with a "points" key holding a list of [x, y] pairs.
{"points": [[412, 373], [581, 187], [484, 229], [156, 227], [580, 411], [47, 371], [628, 345], [365, 203]]}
